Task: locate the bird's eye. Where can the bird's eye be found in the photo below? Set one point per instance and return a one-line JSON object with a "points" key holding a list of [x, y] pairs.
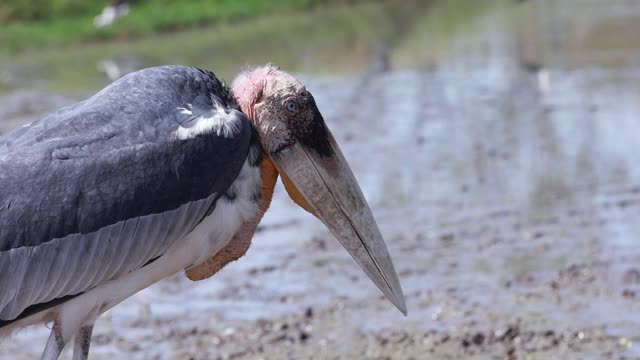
{"points": [[291, 106]]}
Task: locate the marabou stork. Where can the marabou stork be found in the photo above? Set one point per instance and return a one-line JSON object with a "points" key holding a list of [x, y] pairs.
{"points": [[164, 170]]}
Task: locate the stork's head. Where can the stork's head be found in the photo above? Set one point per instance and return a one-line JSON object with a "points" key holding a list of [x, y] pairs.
{"points": [[313, 169]]}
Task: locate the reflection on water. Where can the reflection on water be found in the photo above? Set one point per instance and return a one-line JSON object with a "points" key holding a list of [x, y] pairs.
{"points": [[496, 121], [519, 123]]}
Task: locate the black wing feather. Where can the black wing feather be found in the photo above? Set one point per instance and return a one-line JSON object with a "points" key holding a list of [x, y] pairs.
{"points": [[112, 158]]}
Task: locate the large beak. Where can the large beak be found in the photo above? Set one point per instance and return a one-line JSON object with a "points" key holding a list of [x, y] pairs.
{"points": [[331, 192]]}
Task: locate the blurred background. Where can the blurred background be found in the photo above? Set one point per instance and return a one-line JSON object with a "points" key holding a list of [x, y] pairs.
{"points": [[496, 141]]}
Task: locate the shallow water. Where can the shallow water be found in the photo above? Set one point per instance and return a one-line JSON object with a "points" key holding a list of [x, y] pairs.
{"points": [[500, 167]]}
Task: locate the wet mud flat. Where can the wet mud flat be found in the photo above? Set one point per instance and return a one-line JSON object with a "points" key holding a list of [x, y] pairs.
{"points": [[512, 240], [505, 184]]}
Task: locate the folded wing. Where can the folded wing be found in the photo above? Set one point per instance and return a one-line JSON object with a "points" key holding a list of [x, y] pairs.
{"points": [[107, 185]]}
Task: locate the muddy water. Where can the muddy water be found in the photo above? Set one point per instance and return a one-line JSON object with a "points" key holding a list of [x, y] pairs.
{"points": [[501, 168]]}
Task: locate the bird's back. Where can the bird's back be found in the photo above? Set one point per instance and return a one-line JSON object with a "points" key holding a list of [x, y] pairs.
{"points": [[102, 187]]}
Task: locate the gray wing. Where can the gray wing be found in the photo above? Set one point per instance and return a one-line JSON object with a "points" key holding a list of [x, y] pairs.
{"points": [[104, 186]]}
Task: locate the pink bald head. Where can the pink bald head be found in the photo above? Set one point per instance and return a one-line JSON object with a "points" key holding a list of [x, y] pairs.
{"points": [[249, 86], [278, 106]]}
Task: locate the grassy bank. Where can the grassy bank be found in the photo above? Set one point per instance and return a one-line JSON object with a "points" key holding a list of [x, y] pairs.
{"points": [[316, 40], [37, 24], [343, 37]]}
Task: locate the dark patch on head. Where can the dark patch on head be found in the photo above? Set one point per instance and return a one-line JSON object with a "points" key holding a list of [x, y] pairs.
{"points": [[313, 134], [306, 125]]}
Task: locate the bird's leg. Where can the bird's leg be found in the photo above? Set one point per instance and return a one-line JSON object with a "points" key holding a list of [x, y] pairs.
{"points": [[82, 342], [55, 343]]}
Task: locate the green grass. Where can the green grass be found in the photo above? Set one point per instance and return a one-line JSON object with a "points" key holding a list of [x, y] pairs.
{"points": [[146, 17], [317, 40], [37, 10], [335, 39]]}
